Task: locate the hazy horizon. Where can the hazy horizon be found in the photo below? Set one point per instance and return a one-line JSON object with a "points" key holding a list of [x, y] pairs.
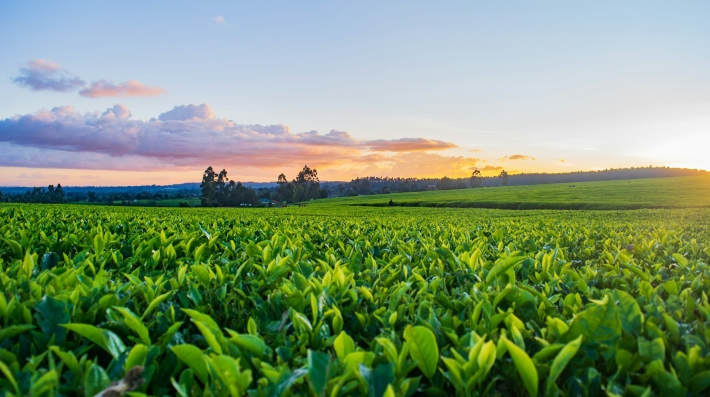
{"points": [[147, 94]]}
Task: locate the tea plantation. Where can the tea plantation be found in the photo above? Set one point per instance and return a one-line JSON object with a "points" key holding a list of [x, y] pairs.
{"points": [[677, 192], [356, 301]]}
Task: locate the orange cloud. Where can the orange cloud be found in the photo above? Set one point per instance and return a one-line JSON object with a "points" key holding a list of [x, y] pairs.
{"points": [[419, 165], [130, 88], [517, 157], [408, 145]]}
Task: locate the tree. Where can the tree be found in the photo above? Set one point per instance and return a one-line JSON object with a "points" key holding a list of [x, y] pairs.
{"points": [[208, 188], [58, 196], [476, 179], [306, 184], [282, 180], [445, 183], [285, 190], [503, 178], [307, 175], [300, 192], [218, 190]]}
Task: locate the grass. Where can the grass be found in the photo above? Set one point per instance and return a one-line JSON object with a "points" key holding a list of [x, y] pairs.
{"points": [[679, 192]]}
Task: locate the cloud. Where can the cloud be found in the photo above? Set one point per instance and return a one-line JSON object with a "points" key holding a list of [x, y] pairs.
{"points": [[561, 160], [190, 136], [490, 168], [188, 112], [517, 157], [40, 175], [119, 111], [421, 165], [43, 74], [408, 145], [477, 150], [103, 88], [220, 20]]}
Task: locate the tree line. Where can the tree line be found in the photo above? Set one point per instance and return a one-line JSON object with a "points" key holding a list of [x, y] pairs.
{"points": [[382, 185], [50, 195], [57, 195], [219, 191]]}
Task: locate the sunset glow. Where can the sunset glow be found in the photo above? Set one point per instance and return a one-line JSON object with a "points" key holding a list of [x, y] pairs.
{"points": [[435, 91]]}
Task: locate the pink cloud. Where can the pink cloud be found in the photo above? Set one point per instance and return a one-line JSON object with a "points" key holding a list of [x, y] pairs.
{"points": [[188, 112], [186, 136], [45, 75], [103, 88]]}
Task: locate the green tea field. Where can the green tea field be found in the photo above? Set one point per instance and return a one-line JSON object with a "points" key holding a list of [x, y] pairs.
{"points": [[347, 300], [679, 192]]}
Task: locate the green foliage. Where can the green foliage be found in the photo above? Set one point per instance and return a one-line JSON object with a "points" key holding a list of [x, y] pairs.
{"points": [[326, 301], [423, 349]]}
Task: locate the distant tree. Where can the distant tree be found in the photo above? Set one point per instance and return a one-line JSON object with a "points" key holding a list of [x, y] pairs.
{"points": [[214, 191], [91, 196], [323, 193], [503, 178], [209, 188], [218, 190], [476, 179], [282, 180], [299, 192], [284, 192], [307, 175], [445, 183], [361, 185], [58, 196], [306, 185]]}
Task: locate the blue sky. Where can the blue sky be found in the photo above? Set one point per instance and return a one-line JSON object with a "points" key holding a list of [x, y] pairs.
{"points": [[598, 85]]}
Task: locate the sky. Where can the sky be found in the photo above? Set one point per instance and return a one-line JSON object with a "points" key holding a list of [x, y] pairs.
{"points": [[133, 93]]}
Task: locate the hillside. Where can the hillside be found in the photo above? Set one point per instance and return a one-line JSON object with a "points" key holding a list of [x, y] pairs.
{"points": [[679, 192]]}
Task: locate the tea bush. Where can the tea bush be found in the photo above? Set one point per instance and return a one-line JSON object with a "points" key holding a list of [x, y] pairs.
{"points": [[347, 301]]}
